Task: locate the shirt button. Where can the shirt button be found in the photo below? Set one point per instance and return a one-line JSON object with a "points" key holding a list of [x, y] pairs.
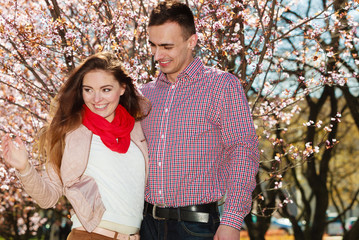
{"points": [[166, 110], [162, 136], [160, 192], [159, 164], [173, 86]]}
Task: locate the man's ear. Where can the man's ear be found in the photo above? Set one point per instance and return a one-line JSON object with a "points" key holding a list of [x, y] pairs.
{"points": [[192, 41]]}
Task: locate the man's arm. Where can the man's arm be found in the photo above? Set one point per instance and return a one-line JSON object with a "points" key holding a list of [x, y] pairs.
{"points": [[225, 232], [241, 149]]}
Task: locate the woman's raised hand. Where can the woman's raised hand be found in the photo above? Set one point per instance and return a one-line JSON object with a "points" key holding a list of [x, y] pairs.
{"points": [[15, 153]]}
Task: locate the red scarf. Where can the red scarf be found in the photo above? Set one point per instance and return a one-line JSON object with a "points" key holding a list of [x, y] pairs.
{"points": [[116, 134]]}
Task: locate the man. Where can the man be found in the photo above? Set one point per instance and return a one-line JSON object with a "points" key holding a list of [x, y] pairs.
{"points": [[202, 142]]}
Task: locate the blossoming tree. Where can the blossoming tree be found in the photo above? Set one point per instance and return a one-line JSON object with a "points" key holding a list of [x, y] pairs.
{"points": [[295, 59]]}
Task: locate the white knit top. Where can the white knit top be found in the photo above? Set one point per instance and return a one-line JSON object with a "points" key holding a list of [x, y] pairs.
{"points": [[121, 182]]}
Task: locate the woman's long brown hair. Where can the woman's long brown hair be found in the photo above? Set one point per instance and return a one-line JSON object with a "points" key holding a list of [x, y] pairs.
{"points": [[68, 105]]}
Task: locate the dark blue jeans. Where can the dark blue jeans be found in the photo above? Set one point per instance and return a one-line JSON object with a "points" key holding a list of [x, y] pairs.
{"points": [[152, 229]]}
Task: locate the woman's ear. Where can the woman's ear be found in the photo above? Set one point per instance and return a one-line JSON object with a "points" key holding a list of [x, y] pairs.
{"points": [[123, 86]]}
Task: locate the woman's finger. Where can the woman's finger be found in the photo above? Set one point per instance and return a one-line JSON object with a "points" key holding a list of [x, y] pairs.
{"points": [[19, 143]]}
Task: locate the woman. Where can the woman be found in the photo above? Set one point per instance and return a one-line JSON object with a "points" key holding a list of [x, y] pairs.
{"points": [[96, 152]]}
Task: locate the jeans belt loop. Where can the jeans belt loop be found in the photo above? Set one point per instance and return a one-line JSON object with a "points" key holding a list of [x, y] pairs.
{"points": [[179, 214], [145, 209], [154, 211]]}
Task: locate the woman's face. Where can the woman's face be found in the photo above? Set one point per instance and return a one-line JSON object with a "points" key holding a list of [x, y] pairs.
{"points": [[101, 93]]}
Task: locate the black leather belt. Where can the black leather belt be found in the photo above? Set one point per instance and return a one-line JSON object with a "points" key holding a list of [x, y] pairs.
{"points": [[194, 213]]}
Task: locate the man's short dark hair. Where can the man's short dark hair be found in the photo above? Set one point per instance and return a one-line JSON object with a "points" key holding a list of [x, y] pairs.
{"points": [[174, 11]]}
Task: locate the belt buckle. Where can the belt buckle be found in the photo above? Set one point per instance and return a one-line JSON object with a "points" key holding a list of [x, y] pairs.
{"points": [[154, 211]]}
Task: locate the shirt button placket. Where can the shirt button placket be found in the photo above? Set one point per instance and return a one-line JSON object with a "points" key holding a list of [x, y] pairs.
{"points": [[163, 133]]}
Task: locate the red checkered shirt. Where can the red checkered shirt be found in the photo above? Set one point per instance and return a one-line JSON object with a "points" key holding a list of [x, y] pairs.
{"points": [[202, 142]]}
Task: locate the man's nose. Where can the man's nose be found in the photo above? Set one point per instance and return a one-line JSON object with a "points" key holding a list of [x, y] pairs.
{"points": [[157, 54]]}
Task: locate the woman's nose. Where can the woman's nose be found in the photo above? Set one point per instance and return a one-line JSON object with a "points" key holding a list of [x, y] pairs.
{"points": [[98, 97]]}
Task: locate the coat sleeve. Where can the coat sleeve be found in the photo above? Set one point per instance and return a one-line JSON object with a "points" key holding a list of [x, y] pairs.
{"points": [[43, 186]]}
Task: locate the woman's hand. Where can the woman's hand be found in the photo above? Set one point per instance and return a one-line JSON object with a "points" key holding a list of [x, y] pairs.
{"points": [[15, 154]]}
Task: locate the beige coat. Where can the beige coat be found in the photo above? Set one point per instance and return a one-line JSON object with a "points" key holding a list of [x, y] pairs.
{"points": [[82, 192]]}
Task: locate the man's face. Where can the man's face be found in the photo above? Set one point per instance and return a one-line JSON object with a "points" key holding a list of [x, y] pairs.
{"points": [[170, 49]]}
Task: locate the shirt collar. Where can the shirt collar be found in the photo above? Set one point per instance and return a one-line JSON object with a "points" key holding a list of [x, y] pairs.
{"points": [[190, 73]]}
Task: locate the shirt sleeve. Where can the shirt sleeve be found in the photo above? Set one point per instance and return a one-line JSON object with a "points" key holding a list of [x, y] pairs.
{"points": [[241, 161]]}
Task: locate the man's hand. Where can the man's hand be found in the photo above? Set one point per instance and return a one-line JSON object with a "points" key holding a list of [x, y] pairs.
{"points": [[225, 232]]}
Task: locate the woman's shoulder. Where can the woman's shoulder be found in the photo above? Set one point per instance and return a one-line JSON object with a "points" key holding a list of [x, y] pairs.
{"points": [[137, 132], [75, 155], [79, 133]]}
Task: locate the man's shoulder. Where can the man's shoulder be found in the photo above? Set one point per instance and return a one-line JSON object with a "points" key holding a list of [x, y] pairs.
{"points": [[148, 86], [216, 75]]}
